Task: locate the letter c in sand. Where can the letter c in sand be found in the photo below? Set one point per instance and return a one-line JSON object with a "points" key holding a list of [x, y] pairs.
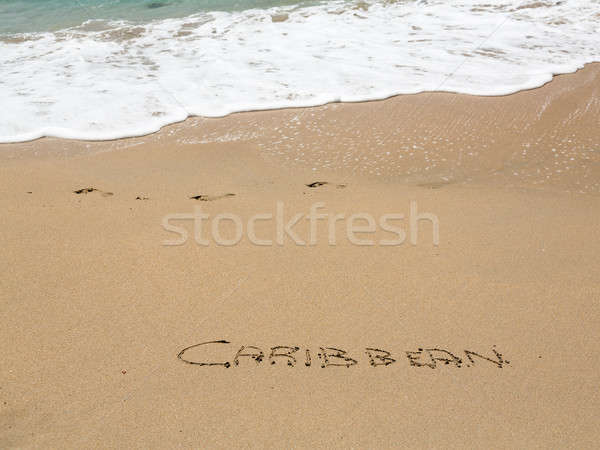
{"points": [[224, 364]]}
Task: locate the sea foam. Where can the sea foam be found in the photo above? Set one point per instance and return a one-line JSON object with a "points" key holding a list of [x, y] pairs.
{"points": [[107, 80]]}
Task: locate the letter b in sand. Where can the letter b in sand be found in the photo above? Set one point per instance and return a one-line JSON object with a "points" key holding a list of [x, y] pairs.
{"points": [[379, 357]]}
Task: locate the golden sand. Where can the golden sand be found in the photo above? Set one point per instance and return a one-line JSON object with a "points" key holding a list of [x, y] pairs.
{"points": [[96, 309]]}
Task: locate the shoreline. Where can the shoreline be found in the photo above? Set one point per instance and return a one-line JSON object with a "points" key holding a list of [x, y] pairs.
{"points": [[422, 139], [293, 108], [97, 310]]}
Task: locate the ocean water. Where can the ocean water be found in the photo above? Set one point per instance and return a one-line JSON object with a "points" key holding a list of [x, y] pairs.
{"points": [[105, 69], [25, 16]]}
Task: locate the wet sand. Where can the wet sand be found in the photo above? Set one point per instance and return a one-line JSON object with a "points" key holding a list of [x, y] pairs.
{"points": [[96, 308]]}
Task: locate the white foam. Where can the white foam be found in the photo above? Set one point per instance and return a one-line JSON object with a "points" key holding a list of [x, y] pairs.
{"points": [[120, 79]]}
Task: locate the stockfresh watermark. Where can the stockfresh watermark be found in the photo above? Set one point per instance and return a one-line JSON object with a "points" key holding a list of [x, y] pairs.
{"points": [[359, 228]]}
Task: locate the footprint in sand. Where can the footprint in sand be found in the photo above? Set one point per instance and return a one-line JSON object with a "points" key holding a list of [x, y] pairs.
{"points": [[316, 184], [89, 190], [210, 198]]}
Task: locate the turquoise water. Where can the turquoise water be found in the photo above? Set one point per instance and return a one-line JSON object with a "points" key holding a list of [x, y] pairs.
{"points": [[25, 16]]}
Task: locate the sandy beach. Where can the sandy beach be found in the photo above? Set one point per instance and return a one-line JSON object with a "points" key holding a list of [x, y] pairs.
{"points": [[96, 308]]}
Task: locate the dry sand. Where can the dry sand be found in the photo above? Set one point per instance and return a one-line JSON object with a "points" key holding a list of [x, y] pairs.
{"points": [[95, 309]]}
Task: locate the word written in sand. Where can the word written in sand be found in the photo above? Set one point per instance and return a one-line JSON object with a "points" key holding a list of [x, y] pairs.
{"points": [[219, 354]]}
